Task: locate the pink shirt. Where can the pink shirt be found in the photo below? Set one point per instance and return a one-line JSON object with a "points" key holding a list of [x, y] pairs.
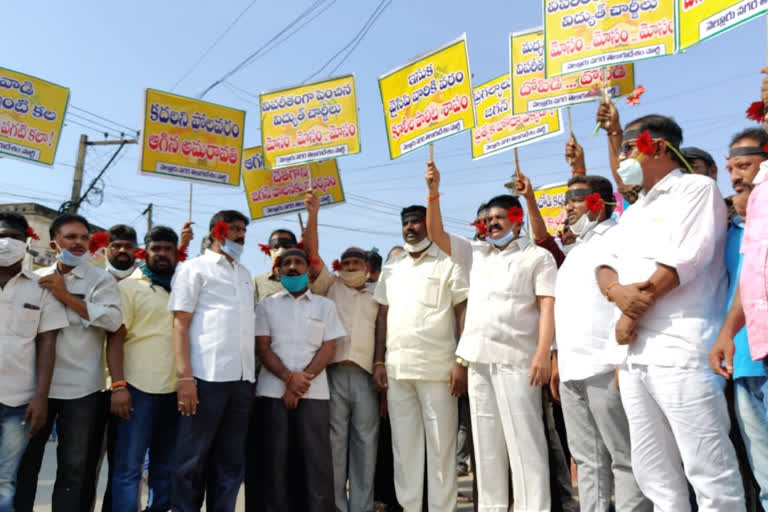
{"points": [[754, 272]]}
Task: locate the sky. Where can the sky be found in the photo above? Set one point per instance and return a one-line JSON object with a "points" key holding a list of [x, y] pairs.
{"points": [[107, 53]]}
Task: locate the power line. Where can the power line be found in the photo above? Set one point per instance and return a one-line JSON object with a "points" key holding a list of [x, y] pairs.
{"points": [[213, 45], [104, 118], [96, 123], [359, 40], [261, 49]]}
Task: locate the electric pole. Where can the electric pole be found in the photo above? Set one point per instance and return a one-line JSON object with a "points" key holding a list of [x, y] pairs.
{"points": [[77, 180], [148, 213]]}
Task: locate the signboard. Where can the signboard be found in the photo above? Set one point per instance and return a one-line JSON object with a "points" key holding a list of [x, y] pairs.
{"points": [[532, 90], [310, 123], [428, 98], [189, 139], [702, 19], [498, 129], [551, 202], [583, 34], [279, 191], [31, 116]]}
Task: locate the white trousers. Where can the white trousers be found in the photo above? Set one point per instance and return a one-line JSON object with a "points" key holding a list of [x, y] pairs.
{"points": [[508, 431], [424, 415], [678, 427]]}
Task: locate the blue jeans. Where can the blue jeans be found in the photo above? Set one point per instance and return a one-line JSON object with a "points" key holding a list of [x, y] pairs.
{"points": [[152, 426], [750, 395], [13, 441]]}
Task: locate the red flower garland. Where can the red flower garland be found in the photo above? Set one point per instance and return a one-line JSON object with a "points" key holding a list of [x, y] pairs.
{"points": [[756, 111], [181, 253], [98, 241], [140, 254], [220, 230], [634, 98], [645, 143], [515, 214], [265, 249], [765, 148], [595, 203], [480, 227], [31, 233], [336, 265]]}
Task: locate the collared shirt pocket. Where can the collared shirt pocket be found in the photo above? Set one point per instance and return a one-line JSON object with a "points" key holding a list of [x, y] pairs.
{"points": [[316, 330], [430, 292], [26, 319]]}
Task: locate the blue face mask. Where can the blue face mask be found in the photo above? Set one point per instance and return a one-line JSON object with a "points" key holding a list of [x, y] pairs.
{"points": [[233, 249], [504, 240], [295, 284], [70, 260]]}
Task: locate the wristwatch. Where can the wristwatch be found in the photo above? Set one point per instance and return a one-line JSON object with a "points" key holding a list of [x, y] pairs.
{"points": [[463, 362]]}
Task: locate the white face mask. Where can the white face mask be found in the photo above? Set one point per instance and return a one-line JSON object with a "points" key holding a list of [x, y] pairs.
{"points": [[232, 249], [417, 247], [583, 225], [11, 251], [119, 274], [71, 260], [631, 172]]}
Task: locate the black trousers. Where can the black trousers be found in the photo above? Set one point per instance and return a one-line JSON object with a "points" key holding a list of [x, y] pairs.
{"points": [[296, 448], [210, 448], [80, 425]]}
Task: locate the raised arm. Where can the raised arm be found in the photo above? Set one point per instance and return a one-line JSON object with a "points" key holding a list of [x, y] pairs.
{"points": [[311, 240], [574, 155], [434, 217], [608, 117], [525, 189]]}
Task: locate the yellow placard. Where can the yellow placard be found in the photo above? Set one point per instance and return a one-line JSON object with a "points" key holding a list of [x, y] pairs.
{"points": [[310, 123], [584, 34], [498, 129], [31, 116], [428, 98], [532, 90], [189, 139], [279, 191], [551, 202], [701, 19]]}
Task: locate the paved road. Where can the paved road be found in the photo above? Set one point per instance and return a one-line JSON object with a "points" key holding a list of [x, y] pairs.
{"points": [[48, 475]]}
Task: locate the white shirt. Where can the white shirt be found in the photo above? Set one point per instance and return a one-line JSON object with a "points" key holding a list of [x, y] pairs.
{"points": [[357, 312], [421, 325], [502, 323], [680, 223], [298, 328], [79, 369], [219, 294], [582, 313], [25, 310]]}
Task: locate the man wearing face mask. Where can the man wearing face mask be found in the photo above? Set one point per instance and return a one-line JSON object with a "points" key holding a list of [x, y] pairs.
{"points": [[422, 298], [354, 405], [77, 401], [212, 305], [296, 335], [31, 317], [506, 345], [268, 284], [141, 361], [120, 257], [598, 432], [665, 274]]}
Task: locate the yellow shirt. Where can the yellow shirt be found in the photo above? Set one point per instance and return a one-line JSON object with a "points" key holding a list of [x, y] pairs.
{"points": [[148, 363]]}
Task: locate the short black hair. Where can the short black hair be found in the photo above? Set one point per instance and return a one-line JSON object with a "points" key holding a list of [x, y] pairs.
{"points": [[481, 208], [283, 232], [66, 218], [757, 134], [414, 208], [505, 201], [161, 234], [228, 216], [122, 232], [663, 126], [374, 259], [597, 184], [15, 220]]}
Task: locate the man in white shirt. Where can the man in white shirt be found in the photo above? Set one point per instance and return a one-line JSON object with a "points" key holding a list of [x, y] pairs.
{"points": [[354, 405], [212, 304], [77, 401], [422, 296], [296, 334], [665, 274], [598, 432], [29, 320], [506, 344]]}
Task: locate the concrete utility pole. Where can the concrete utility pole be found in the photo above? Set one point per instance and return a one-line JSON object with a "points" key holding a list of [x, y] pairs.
{"points": [[148, 213], [77, 180]]}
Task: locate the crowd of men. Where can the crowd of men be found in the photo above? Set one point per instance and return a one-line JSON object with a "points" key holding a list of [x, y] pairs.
{"points": [[611, 346]]}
